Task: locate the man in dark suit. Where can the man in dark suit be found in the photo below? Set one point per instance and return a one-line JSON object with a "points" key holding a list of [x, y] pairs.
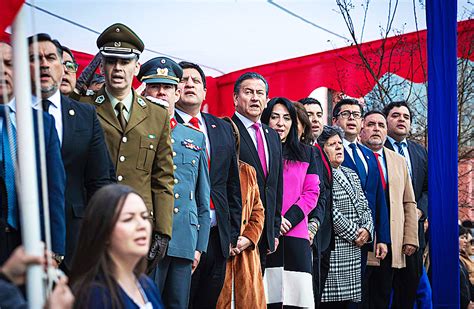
{"points": [[320, 219], [347, 114], [260, 147], [399, 117], [226, 201], [83, 149], [10, 230]]}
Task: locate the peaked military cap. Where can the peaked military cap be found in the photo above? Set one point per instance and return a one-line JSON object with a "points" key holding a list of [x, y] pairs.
{"points": [[160, 70], [119, 41]]}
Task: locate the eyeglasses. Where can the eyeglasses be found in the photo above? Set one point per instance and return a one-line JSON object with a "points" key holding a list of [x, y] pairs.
{"points": [[347, 115], [70, 66]]}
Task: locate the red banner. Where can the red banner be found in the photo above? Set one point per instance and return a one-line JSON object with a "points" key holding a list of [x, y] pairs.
{"points": [[9, 9]]}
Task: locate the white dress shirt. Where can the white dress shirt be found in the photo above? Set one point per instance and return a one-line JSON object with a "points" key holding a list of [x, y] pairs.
{"points": [[54, 110], [383, 164], [359, 152], [405, 151], [253, 135]]}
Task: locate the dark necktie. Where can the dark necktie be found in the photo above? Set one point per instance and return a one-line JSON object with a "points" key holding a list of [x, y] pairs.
{"points": [[360, 166], [382, 175], [195, 123], [260, 148], [46, 104], [8, 166], [120, 108], [400, 147]]}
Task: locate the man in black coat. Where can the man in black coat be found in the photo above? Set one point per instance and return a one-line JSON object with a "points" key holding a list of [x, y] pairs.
{"points": [[260, 147], [320, 219], [399, 117], [226, 200], [83, 149]]}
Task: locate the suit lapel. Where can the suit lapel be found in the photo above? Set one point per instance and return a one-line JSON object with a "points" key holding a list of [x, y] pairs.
{"points": [[269, 147], [69, 123], [245, 137], [390, 168], [413, 161], [178, 118], [211, 127], [138, 113], [389, 145], [346, 186], [105, 110]]}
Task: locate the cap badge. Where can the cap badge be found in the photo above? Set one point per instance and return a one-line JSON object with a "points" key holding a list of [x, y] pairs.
{"points": [[100, 99], [117, 44], [117, 29], [163, 61], [162, 71]]}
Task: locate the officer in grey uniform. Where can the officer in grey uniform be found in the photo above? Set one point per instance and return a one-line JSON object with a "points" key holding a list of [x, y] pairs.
{"points": [[191, 220]]}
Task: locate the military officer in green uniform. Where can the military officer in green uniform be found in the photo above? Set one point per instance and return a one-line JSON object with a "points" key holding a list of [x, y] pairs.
{"points": [[137, 131], [191, 223]]}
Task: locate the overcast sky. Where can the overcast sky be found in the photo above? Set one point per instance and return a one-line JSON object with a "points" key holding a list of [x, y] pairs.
{"points": [[224, 35]]}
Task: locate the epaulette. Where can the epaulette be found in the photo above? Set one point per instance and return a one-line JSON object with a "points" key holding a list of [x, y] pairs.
{"points": [[158, 102]]}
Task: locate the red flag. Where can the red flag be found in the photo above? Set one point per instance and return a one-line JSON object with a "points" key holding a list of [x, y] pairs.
{"points": [[9, 9]]}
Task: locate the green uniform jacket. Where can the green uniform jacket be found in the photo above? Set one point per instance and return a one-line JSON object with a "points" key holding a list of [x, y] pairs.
{"points": [[142, 155]]}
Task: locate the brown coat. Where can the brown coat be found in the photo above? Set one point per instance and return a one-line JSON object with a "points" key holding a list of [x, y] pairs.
{"points": [[245, 267], [403, 216], [142, 155]]}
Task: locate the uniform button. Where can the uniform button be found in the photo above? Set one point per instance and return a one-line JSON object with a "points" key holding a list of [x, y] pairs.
{"points": [[176, 210], [176, 181], [176, 195], [172, 141], [119, 177], [174, 154], [151, 146], [124, 139], [193, 161], [122, 158], [174, 166]]}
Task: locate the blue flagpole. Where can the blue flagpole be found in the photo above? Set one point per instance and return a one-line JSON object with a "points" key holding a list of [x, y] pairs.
{"points": [[443, 151]]}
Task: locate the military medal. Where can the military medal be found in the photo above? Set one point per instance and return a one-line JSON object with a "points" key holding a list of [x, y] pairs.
{"points": [[188, 143]]}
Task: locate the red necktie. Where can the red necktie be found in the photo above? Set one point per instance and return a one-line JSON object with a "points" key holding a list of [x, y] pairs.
{"points": [[382, 177], [195, 123]]}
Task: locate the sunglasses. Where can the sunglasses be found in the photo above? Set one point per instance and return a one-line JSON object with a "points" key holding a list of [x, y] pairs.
{"points": [[70, 66]]}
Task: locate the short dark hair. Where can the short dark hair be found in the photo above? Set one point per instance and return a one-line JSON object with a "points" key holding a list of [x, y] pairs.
{"points": [[249, 75], [69, 52], [44, 37], [307, 137], [190, 65], [337, 107], [308, 101], [392, 105], [374, 111], [463, 230], [328, 132]]}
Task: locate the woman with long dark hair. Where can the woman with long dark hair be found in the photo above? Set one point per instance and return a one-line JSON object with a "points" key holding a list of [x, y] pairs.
{"points": [[288, 279], [108, 267], [305, 134]]}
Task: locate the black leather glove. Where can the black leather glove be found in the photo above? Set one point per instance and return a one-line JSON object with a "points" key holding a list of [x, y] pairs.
{"points": [[87, 74], [159, 245]]}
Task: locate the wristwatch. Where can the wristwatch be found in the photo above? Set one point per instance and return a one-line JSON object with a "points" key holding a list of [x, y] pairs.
{"points": [[58, 258]]}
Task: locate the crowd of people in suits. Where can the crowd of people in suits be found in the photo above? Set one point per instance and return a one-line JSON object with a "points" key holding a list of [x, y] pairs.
{"points": [[156, 204]]}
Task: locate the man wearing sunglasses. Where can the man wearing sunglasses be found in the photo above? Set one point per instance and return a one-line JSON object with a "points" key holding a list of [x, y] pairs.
{"points": [[68, 82], [347, 114]]}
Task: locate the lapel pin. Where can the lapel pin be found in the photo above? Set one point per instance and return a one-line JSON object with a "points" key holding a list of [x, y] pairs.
{"points": [[100, 99], [213, 126], [72, 112], [266, 131]]}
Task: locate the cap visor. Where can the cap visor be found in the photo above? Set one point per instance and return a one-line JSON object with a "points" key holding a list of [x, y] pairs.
{"points": [[160, 81], [119, 55]]}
